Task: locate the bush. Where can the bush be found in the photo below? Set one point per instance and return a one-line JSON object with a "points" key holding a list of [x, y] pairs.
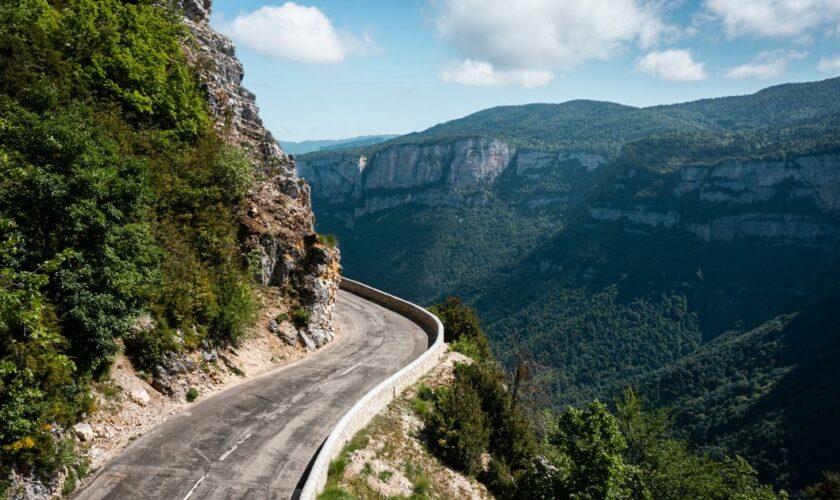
{"points": [[458, 429], [498, 479], [192, 394], [328, 240], [425, 392], [237, 308], [301, 316], [148, 348], [460, 323], [827, 489], [511, 438]]}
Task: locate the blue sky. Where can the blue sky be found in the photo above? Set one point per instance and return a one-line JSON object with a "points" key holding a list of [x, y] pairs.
{"points": [[340, 68]]}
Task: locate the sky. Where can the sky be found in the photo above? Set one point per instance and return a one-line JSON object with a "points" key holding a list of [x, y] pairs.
{"points": [[332, 69]]}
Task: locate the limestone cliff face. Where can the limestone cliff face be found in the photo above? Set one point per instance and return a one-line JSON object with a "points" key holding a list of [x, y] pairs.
{"points": [[278, 223], [796, 201], [461, 173]]}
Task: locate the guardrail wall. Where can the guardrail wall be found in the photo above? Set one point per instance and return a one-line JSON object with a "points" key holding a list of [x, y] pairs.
{"points": [[375, 401]]}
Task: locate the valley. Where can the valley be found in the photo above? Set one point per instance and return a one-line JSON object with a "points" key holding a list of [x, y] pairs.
{"points": [[622, 245]]}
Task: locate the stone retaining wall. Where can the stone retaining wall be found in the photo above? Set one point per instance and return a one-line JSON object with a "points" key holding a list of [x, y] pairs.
{"points": [[375, 401]]}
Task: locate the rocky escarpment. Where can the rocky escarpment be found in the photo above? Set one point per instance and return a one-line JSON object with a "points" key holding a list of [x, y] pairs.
{"points": [[792, 201], [278, 223], [795, 201], [462, 173]]}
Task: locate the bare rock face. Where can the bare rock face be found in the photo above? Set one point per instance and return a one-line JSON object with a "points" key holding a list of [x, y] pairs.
{"points": [[277, 224]]}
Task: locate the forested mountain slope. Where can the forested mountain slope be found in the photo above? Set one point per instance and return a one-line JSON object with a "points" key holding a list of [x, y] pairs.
{"points": [[142, 204], [620, 243]]}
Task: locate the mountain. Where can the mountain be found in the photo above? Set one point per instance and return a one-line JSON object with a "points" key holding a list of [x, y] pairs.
{"points": [[303, 147], [622, 245]]}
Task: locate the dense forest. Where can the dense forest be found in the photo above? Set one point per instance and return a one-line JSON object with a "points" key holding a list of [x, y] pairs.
{"points": [[117, 198], [612, 276], [624, 450]]}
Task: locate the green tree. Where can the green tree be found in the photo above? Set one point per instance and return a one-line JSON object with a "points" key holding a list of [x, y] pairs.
{"points": [[510, 433], [591, 442], [458, 429], [462, 328], [38, 388], [668, 469]]}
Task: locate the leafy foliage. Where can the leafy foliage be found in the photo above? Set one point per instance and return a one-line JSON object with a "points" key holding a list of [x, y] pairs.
{"points": [[116, 198], [585, 452], [458, 428], [461, 328]]}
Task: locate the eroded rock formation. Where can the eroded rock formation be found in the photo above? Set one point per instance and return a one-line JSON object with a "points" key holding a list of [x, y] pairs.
{"points": [[277, 224]]}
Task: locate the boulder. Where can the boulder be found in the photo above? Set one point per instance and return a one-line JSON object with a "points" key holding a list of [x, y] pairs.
{"points": [[84, 431], [307, 341], [140, 396]]}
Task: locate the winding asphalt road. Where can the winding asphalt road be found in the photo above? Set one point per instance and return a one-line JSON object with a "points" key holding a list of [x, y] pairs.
{"points": [[257, 439]]}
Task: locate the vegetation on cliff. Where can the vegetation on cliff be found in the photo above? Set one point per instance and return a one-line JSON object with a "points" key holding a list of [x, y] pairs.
{"points": [[117, 199]]}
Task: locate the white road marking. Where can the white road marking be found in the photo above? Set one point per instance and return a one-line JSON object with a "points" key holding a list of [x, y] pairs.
{"points": [[227, 453], [345, 372], [195, 486]]}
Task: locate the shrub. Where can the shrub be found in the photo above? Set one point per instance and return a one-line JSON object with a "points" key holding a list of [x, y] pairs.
{"points": [[328, 240], [460, 323], [336, 493], [510, 438], [237, 308], [498, 479], [192, 394], [458, 428], [148, 348], [301, 316], [425, 393]]}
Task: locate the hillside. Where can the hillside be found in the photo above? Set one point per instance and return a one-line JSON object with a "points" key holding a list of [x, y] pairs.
{"points": [[467, 430], [617, 241], [144, 209], [303, 147]]}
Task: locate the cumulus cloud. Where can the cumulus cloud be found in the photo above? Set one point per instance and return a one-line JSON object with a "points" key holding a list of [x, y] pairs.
{"points": [[774, 18], [766, 65], [830, 64], [297, 33], [528, 40], [675, 65], [483, 74]]}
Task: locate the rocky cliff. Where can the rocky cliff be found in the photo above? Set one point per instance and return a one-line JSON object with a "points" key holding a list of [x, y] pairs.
{"points": [[278, 225], [791, 201]]}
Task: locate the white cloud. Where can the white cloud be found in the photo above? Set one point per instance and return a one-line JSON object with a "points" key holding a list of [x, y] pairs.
{"points": [[774, 18], [766, 65], [483, 74], [676, 65], [537, 37], [295, 33], [830, 64]]}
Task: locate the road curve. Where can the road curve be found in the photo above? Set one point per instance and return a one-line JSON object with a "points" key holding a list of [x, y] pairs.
{"points": [[256, 440]]}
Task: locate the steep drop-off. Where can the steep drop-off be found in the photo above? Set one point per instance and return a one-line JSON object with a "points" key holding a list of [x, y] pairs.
{"points": [[615, 241]]}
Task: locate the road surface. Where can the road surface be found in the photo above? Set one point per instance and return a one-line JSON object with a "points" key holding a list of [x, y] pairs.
{"points": [[256, 440]]}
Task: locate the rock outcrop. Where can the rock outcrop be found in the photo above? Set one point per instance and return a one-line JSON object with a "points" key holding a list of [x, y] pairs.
{"points": [[795, 201], [277, 224]]}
